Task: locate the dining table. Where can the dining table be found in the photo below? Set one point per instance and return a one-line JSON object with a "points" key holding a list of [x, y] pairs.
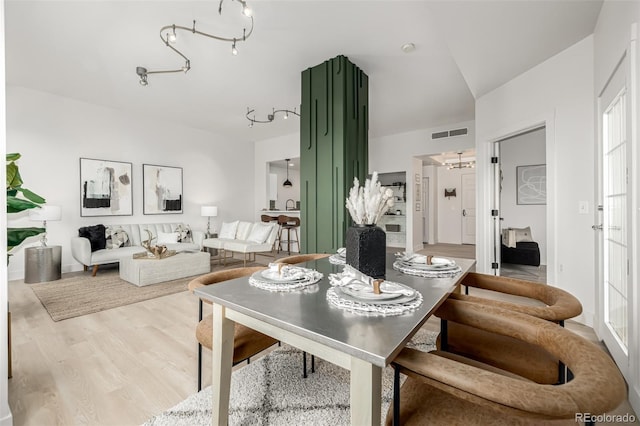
{"points": [[363, 343]]}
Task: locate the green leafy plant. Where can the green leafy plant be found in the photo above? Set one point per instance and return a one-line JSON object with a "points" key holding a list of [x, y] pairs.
{"points": [[19, 199]]}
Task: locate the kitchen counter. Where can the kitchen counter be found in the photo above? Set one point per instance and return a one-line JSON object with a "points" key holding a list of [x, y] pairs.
{"points": [[273, 212]]}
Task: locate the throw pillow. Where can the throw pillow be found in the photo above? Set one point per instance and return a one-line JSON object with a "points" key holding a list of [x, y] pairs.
{"points": [[167, 238], [184, 233], [116, 238], [260, 233], [228, 230], [96, 236], [523, 234]]}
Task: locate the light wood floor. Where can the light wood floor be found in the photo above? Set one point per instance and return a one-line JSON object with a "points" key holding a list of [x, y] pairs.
{"points": [[117, 367]]}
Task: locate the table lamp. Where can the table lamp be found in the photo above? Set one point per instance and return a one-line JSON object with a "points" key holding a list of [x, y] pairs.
{"points": [[44, 214], [209, 212]]}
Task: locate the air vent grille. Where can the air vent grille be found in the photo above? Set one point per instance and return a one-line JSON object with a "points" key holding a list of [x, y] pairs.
{"points": [[457, 132], [440, 135], [449, 133]]}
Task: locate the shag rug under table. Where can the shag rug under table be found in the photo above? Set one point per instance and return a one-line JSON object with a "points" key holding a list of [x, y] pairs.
{"points": [[271, 391]]}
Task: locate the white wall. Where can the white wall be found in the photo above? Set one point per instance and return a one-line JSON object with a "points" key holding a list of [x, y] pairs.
{"points": [[266, 151], [558, 93], [52, 133], [397, 153], [523, 150], [432, 203], [6, 418]]}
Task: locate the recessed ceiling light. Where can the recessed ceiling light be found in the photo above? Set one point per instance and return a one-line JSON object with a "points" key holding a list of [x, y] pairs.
{"points": [[408, 47]]}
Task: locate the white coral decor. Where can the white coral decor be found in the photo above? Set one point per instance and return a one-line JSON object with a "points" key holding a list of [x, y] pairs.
{"points": [[367, 204]]}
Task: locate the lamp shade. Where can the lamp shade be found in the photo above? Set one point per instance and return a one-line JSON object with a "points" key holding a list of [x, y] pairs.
{"points": [[48, 213], [209, 211]]}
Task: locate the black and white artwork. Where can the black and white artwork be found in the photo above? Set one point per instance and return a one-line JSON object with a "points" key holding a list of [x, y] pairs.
{"points": [[162, 191], [105, 188], [532, 184]]}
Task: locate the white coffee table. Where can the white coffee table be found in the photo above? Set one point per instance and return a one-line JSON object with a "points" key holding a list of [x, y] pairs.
{"points": [[143, 272]]}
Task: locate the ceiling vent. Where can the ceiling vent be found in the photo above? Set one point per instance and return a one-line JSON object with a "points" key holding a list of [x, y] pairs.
{"points": [[449, 133]]}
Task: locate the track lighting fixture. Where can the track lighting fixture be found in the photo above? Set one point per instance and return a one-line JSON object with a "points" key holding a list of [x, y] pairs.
{"points": [[169, 37], [270, 117]]}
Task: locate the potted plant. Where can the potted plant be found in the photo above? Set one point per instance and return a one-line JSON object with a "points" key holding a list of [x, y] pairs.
{"points": [[19, 199]]}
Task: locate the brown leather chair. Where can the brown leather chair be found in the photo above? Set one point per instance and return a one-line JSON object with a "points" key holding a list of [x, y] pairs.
{"points": [[246, 341], [300, 258], [504, 352], [447, 389]]}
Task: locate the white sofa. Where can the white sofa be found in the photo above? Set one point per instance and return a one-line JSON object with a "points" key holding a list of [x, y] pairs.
{"points": [[244, 237], [81, 246]]}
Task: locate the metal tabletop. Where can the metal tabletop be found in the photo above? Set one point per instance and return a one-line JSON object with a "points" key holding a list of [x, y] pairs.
{"points": [[373, 338]]}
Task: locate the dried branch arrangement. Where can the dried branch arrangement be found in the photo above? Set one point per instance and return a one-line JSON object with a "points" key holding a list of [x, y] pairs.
{"points": [[368, 203]]}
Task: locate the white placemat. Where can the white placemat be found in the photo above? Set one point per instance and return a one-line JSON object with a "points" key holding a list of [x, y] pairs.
{"points": [[301, 278], [425, 273], [372, 308]]}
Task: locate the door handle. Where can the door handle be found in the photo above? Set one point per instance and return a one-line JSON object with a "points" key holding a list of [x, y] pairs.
{"points": [[596, 227], [464, 212]]}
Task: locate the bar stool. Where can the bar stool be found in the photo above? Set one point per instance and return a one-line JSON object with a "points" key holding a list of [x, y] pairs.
{"points": [[288, 224], [268, 219]]}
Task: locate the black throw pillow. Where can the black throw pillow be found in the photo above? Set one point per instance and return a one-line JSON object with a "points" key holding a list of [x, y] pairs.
{"points": [[96, 236]]}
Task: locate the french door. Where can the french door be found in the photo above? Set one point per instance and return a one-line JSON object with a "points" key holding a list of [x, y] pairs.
{"points": [[614, 214]]}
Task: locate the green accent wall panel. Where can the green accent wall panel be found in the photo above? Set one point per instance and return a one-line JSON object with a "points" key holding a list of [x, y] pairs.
{"points": [[334, 127]]}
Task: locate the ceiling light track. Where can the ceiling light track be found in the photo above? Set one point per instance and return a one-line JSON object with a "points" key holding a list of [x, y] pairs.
{"points": [[270, 117], [169, 36]]}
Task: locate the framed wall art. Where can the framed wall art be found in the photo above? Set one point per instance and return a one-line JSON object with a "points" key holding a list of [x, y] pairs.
{"points": [[105, 188], [162, 189], [531, 184]]}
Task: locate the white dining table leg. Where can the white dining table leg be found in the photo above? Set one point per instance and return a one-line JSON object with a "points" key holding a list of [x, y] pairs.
{"points": [[222, 350], [366, 390]]}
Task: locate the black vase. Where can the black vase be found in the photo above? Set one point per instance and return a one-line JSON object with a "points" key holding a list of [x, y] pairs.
{"points": [[366, 249]]}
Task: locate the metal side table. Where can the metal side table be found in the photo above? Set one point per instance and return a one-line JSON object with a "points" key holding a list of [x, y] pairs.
{"points": [[42, 264]]}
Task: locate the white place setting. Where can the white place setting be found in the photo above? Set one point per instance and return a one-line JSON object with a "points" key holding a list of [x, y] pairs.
{"points": [[283, 277], [357, 292], [425, 266], [340, 257]]}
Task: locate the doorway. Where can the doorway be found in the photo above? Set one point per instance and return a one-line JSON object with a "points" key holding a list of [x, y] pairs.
{"points": [[521, 236], [449, 198]]}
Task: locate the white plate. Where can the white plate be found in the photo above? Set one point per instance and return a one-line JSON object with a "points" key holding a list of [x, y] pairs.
{"points": [[365, 295], [274, 276], [402, 299], [424, 266]]}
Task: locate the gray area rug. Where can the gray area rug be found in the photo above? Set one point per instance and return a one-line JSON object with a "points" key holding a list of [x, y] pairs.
{"points": [[271, 391], [82, 294]]}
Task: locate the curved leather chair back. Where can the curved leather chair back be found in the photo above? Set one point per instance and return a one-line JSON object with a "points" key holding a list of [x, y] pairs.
{"points": [[470, 387], [545, 302], [300, 258], [219, 276]]}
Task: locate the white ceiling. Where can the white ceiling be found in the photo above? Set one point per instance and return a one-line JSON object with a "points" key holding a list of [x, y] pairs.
{"points": [[88, 50]]}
